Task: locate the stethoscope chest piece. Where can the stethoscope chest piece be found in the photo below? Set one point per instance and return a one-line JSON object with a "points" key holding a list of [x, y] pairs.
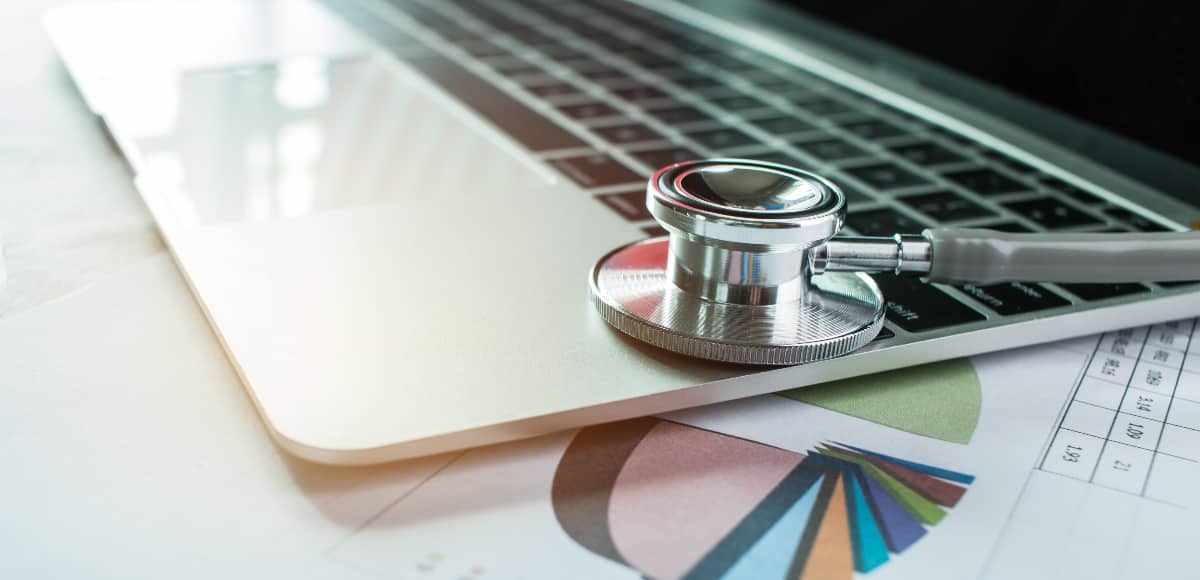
{"points": [[733, 280]]}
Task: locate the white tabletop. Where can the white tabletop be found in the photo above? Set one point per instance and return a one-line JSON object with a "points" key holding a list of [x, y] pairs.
{"points": [[69, 215]]}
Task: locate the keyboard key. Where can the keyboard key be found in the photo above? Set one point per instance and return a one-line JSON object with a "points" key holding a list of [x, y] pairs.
{"points": [[739, 103], [582, 65], [680, 115], [1014, 297], [512, 66], [1012, 227], [630, 205], [1071, 191], [658, 158], [720, 139], [775, 157], [887, 176], [641, 94], [1009, 163], [1135, 221], [561, 53], [946, 206], [1051, 213], [702, 83], [831, 149], [1092, 292], [916, 306], [609, 77], [874, 129], [927, 154], [627, 133], [782, 125], [1178, 284], [853, 195], [986, 182], [953, 137], [589, 111], [595, 170], [530, 129], [824, 106], [883, 222], [559, 89]]}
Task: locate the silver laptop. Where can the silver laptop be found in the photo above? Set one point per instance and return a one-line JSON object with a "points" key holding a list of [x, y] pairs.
{"points": [[389, 209]]}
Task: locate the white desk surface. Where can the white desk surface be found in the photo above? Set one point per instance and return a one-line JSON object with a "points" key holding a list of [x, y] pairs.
{"points": [[69, 215]]}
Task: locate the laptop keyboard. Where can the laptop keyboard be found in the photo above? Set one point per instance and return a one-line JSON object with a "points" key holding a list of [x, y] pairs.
{"points": [[608, 92]]}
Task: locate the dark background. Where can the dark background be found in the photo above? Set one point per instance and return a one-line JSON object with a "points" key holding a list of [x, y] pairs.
{"points": [[1130, 68]]}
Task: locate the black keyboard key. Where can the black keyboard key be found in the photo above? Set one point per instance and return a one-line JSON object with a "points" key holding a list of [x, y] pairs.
{"points": [[641, 94], [783, 125], [1093, 292], [883, 222], [627, 133], [1009, 163], [916, 306], [775, 157], [884, 334], [1012, 227], [595, 170], [609, 77], [701, 82], [953, 137], [824, 106], [561, 53], [720, 139], [1071, 191], [630, 205], [886, 176], [739, 103], [1178, 284], [680, 115], [1051, 213], [658, 158], [946, 206], [986, 182], [874, 129], [512, 66], [555, 89], [589, 111], [831, 149], [641, 57], [853, 195], [1135, 221], [582, 65], [525, 126], [1013, 297], [927, 154]]}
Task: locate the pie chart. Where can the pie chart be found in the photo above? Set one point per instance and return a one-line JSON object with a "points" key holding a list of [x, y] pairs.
{"points": [[675, 501]]}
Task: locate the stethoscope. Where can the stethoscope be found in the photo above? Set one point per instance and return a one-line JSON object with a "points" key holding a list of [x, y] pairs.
{"points": [[750, 271]]}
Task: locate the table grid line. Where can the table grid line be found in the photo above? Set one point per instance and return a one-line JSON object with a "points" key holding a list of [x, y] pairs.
{"points": [[1171, 401], [1121, 403]]}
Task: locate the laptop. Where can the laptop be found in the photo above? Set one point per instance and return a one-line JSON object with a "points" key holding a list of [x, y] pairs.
{"points": [[388, 209]]}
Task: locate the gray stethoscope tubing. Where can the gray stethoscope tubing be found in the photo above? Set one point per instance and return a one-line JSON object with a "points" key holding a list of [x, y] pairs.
{"points": [[751, 272], [981, 256]]}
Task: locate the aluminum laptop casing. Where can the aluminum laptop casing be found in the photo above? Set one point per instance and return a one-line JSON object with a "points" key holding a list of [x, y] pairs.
{"points": [[394, 277]]}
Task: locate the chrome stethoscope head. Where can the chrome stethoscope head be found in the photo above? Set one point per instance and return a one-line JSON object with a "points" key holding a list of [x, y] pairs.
{"points": [[733, 280]]}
